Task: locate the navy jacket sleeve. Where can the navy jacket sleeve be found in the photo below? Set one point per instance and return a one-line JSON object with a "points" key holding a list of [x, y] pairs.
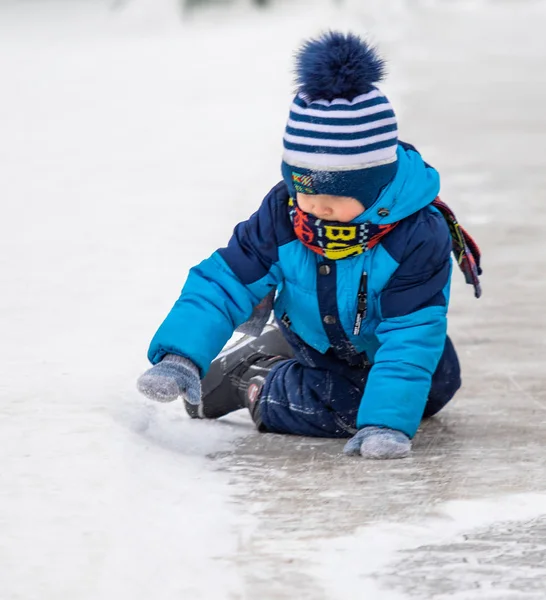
{"points": [[412, 330], [221, 292]]}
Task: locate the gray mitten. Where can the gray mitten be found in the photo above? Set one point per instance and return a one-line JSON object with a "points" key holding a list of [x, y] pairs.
{"points": [[378, 443], [174, 376]]}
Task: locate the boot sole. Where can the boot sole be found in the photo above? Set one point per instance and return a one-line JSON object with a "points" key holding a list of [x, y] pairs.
{"points": [[215, 375]]}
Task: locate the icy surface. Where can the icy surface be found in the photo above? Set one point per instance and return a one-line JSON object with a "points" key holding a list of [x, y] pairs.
{"points": [[129, 147], [467, 550], [507, 560]]}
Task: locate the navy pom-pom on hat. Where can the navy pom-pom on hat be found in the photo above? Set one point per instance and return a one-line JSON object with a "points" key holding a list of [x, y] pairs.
{"points": [[337, 66], [342, 135]]}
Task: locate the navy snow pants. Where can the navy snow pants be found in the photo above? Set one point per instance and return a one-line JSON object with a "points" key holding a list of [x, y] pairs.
{"points": [[316, 394]]}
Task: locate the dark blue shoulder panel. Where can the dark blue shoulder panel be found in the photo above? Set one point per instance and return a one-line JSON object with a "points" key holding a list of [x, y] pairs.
{"points": [[254, 245], [421, 244], [411, 147], [407, 146]]}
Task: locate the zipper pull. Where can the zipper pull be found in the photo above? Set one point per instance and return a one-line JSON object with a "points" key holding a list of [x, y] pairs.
{"points": [[362, 306]]}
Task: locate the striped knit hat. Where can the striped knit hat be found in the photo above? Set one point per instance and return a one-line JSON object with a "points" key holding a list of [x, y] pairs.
{"points": [[341, 137]]}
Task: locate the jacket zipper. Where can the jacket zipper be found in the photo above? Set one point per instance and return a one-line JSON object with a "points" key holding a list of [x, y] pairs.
{"points": [[362, 306]]}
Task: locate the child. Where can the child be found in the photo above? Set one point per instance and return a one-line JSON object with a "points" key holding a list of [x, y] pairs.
{"points": [[353, 248]]}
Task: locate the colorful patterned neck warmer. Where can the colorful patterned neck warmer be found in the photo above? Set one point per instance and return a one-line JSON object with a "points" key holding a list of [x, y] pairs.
{"points": [[335, 240], [332, 239]]}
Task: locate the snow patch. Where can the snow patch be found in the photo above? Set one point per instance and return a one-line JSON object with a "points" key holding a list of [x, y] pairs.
{"points": [[354, 562]]}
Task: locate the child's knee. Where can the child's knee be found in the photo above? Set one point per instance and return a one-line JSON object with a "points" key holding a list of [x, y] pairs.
{"points": [[298, 400]]}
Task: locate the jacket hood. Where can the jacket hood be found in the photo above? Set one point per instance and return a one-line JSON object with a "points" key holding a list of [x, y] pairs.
{"points": [[415, 185]]}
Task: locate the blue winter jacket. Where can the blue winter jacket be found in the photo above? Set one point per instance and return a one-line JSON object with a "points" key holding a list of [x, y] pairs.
{"points": [[408, 277]]}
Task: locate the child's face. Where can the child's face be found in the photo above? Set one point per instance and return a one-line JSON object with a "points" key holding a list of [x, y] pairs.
{"points": [[330, 208]]}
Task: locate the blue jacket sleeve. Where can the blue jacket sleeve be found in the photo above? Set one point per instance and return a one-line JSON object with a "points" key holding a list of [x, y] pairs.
{"points": [[412, 331], [221, 292]]}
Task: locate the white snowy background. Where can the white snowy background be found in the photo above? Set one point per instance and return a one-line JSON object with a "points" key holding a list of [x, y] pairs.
{"points": [[132, 140]]}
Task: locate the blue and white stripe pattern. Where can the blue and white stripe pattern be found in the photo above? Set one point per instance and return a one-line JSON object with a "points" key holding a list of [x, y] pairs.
{"points": [[341, 135]]}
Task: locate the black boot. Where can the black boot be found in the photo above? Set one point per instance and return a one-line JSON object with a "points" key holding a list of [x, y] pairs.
{"points": [[237, 375]]}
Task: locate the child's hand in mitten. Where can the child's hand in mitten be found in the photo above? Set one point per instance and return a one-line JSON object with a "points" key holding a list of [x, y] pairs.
{"points": [[174, 376], [378, 442]]}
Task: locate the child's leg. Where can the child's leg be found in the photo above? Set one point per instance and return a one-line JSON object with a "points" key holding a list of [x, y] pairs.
{"points": [[329, 389], [318, 395], [445, 381], [312, 394], [304, 400]]}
